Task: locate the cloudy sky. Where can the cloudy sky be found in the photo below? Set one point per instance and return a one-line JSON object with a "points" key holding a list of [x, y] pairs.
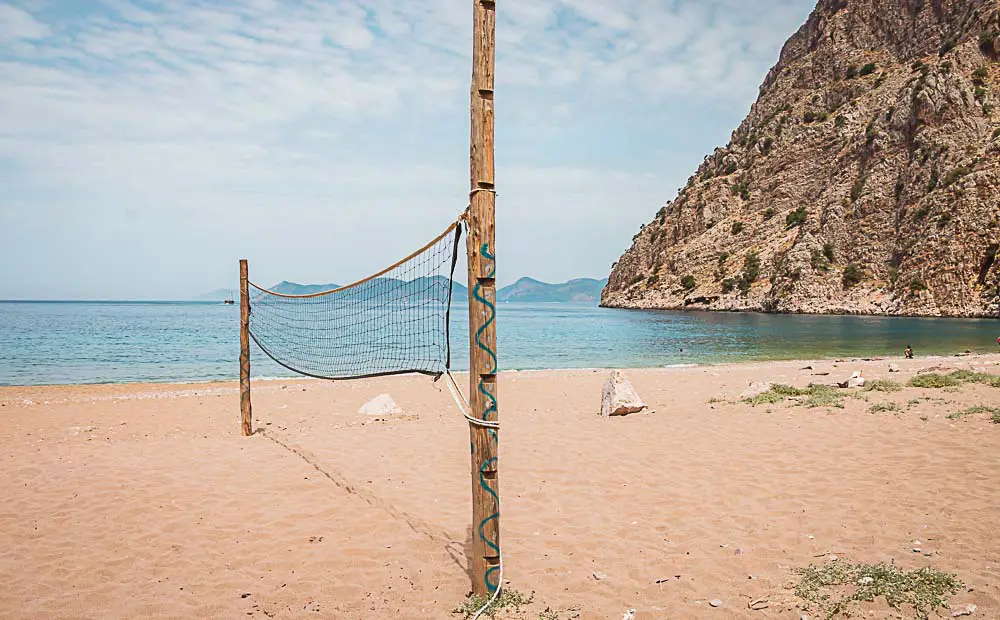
{"points": [[146, 146]]}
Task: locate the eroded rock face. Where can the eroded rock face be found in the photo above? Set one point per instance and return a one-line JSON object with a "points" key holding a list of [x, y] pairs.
{"points": [[865, 180]]}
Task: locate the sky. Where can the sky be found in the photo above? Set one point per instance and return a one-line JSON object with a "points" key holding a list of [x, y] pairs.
{"points": [[146, 146]]}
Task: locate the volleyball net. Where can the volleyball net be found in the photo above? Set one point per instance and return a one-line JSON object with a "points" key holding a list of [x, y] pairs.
{"points": [[393, 322]]}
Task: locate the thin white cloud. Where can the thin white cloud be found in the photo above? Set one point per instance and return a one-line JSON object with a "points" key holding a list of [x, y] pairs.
{"points": [[186, 119], [17, 24]]}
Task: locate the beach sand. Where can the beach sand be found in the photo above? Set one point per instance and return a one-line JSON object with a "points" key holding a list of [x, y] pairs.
{"points": [[136, 501]]}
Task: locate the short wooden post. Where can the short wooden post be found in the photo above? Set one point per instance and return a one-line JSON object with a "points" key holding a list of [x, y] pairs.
{"points": [[485, 566], [245, 409]]}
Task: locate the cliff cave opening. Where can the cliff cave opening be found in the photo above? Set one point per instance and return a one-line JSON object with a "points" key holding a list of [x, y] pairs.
{"points": [[988, 260]]}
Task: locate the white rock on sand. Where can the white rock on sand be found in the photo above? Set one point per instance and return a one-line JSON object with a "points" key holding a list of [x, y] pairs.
{"points": [[756, 389], [856, 380], [619, 397], [380, 405]]}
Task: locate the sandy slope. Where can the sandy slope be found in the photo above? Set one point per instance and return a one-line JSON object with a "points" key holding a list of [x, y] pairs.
{"points": [[143, 501]]}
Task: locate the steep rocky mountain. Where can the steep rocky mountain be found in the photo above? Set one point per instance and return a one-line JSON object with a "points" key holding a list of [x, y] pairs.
{"points": [[866, 178]]}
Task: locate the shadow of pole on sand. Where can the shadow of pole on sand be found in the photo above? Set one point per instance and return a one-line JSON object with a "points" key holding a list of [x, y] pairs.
{"points": [[460, 553]]}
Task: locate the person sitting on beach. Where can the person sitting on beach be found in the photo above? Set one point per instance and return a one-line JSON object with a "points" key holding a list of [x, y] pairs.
{"points": [[908, 352]]}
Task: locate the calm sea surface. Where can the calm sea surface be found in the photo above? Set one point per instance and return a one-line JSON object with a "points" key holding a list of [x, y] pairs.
{"points": [[113, 342]]}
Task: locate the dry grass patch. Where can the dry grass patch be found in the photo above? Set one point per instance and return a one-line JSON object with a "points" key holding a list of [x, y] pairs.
{"points": [[837, 588], [993, 412], [883, 407], [815, 396], [954, 379], [510, 602], [883, 385], [933, 380]]}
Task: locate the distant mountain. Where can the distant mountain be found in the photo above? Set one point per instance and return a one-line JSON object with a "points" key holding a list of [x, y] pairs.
{"points": [[581, 290], [426, 287], [293, 288], [585, 290]]}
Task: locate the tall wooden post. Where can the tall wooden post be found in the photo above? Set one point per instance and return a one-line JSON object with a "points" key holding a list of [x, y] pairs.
{"points": [[245, 351], [482, 308]]}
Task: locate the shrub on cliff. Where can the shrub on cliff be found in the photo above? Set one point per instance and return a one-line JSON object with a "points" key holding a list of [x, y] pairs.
{"points": [[852, 275], [956, 174], [796, 218], [751, 271], [817, 261], [986, 41]]}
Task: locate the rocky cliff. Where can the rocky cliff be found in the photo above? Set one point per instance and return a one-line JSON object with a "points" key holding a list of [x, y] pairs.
{"points": [[866, 178]]}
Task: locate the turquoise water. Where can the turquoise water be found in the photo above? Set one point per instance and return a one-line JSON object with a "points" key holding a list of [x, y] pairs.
{"points": [[112, 342]]}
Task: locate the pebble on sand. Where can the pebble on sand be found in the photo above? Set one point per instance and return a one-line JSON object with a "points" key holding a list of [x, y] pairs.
{"points": [[715, 602]]}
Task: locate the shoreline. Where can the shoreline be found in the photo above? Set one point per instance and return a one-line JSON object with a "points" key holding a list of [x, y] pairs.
{"points": [[691, 307], [233, 384]]}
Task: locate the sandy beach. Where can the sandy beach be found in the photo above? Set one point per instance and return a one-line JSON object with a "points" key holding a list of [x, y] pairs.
{"points": [[128, 501]]}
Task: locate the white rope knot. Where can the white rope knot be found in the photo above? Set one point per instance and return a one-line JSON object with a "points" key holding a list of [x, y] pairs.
{"points": [[465, 214], [482, 423], [482, 189], [463, 405]]}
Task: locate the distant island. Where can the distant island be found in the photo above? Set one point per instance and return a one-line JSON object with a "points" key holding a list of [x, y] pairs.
{"points": [[580, 290], [293, 288]]}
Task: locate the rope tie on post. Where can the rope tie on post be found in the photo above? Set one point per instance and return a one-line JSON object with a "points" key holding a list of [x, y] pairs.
{"points": [[465, 214]]}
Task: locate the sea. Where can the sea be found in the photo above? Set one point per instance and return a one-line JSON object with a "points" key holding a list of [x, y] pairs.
{"points": [[119, 342]]}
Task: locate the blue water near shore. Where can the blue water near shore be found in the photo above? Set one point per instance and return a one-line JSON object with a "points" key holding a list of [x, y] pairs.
{"points": [[117, 342]]}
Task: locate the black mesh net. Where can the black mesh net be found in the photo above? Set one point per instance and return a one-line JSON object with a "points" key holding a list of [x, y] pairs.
{"points": [[391, 323]]}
